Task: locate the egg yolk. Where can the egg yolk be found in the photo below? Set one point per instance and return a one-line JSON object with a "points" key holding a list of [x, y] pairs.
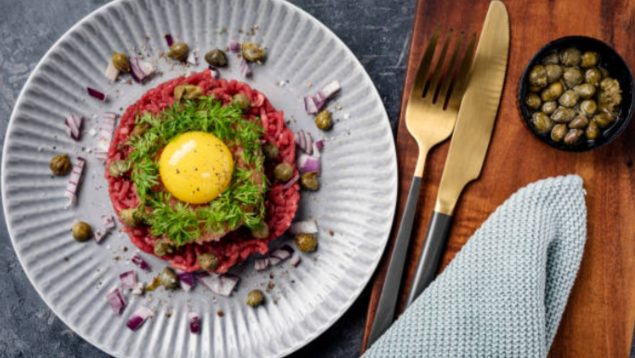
{"points": [[196, 167]]}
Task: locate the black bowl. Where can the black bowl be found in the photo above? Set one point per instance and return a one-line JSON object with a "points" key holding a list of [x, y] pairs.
{"points": [[617, 69]]}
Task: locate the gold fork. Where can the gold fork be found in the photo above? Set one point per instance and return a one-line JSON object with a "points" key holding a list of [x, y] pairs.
{"points": [[431, 111]]}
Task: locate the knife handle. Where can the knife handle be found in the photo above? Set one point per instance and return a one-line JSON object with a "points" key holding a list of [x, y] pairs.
{"points": [[432, 250], [390, 291]]}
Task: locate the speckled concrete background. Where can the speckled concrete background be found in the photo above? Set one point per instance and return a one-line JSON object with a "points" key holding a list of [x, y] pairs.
{"points": [[376, 30]]}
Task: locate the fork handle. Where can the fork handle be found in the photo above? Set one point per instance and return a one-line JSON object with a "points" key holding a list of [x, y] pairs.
{"points": [[390, 291], [432, 250]]}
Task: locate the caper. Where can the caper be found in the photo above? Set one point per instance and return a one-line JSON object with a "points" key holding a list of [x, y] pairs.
{"points": [[60, 165], [570, 57], [208, 262], [534, 89], [216, 58], [552, 58], [241, 101], [579, 122], [252, 52], [589, 59], [552, 92], [309, 181], [306, 242], [562, 115], [572, 77], [573, 136], [118, 168], [179, 51], [533, 101], [592, 131], [549, 107], [324, 120], [554, 72], [592, 76], [131, 217], [163, 247], [271, 150], [255, 298], [82, 231], [588, 107], [542, 123], [154, 284], [187, 92], [610, 94], [169, 278], [538, 76], [585, 90], [283, 171], [261, 231], [603, 119], [120, 61], [568, 99], [558, 132]]}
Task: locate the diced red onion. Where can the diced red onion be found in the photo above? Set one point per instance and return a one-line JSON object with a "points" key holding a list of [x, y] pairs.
{"points": [[111, 72], [73, 125], [139, 316], [74, 181], [140, 69], [108, 226], [140, 262], [104, 137], [169, 40], [261, 264], [282, 253], [187, 280], [273, 261], [214, 71], [128, 279], [319, 144], [195, 322], [192, 58], [329, 90], [233, 46], [313, 103], [310, 106], [304, 140], [96, 94], [308, 163], [116, 301], [295, 260], [291, 181], [245, 68], [304, 227], [220, 284]]}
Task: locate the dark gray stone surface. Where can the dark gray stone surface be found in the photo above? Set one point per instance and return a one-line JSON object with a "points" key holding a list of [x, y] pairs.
{"points": [[376, 30]]}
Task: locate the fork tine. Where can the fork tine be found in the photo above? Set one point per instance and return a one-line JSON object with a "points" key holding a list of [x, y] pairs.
{"points": [[457, 87], [436, 73], [424, 65], [449, 72]]}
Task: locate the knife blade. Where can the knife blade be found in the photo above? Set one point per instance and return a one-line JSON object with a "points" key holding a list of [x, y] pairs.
{"points": [[471, 138]]}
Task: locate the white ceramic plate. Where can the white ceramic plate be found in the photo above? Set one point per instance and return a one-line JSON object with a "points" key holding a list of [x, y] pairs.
{"points": [[354, 207]]}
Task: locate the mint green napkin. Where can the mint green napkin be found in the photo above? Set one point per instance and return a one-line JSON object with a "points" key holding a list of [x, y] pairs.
{"points": [[504, 293]]}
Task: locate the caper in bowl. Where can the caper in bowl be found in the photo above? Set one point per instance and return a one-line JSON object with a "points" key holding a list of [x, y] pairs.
{"points": [[576, 94]]}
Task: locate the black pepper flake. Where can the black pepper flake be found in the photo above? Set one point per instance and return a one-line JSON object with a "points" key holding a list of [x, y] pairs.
{"points": [[220, 313], [178, 171], [66, 258], [331, 232]]}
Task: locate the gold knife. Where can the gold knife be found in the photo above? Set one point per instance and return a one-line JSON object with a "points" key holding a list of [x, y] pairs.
{"points": [[470, 140]]}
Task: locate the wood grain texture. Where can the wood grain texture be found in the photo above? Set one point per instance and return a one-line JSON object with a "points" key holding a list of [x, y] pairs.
{"points": [[598, 321]]}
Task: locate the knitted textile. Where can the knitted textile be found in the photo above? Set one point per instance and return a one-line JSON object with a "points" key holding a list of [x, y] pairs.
{"points": [[504, 293]]}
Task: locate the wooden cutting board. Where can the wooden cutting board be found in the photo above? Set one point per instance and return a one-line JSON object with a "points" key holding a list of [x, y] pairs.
{"points": [[599, 318]]}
